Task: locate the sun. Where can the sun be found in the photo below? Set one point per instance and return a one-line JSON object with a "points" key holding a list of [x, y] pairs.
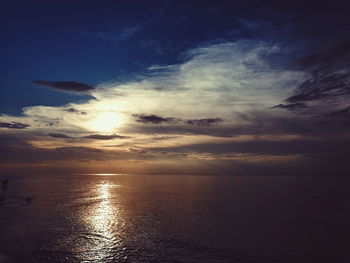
{"points": [[105, 122]]}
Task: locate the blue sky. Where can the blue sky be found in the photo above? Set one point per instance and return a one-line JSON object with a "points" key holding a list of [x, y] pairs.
{"points": [[92, 42], [144, 78]]}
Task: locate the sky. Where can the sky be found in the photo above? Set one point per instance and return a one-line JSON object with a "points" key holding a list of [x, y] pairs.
{"points": [[177, 87]]}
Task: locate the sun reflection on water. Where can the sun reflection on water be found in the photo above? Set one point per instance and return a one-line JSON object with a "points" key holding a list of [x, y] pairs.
{"points": [[104, 221], [104, 212]]}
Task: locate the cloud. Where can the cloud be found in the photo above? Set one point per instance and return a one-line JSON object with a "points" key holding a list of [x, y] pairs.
{"points": [[215, 104], [105, 137], [59, 135], [291, 106], [153, 119], [119, 35], [327, 74], [65, 85], [342, 113], [73, 110], [225, 80], [266, 147], [13, 125], [321, 85], [205, 122], [19, 150]]}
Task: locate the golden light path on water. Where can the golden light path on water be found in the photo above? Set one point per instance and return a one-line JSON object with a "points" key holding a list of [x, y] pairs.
{"points": [[104, 221]]}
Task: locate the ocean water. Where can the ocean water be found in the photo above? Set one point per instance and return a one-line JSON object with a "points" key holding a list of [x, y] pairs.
{"points": [[175, 218]]}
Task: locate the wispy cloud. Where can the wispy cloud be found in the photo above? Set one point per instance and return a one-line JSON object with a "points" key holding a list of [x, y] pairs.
{"points": [[59, 135], [118, 35], [105, 137], [326, 78], [291, 106], [205, 122], [13, 125], [324, 92], [342, 112]]}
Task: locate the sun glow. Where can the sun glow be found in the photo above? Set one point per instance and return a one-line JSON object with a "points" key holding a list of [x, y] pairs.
{"points": [[105, 122]]}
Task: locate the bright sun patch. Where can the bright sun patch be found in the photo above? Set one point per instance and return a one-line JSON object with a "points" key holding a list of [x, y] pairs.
{"points": [[105, 122]]}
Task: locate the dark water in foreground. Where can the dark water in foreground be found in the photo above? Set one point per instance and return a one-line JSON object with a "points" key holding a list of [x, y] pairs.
{"points": [[138, 218]]}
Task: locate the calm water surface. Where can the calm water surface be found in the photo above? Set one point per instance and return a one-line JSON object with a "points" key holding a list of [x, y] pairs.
{"points": [[154, 218]]}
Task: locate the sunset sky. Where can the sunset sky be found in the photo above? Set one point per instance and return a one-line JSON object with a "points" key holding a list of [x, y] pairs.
{"points": [[197, 87]]}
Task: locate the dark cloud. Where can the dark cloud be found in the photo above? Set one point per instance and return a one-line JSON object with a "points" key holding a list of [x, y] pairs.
{"points": [[64, 85], [163, 138], [342, 113], [59, 135], [316, 157], [257, 123], [204, 122], [73, 110], [153, 119], [13, 125], [328, 74], [53, 122], [18, 150], [105, 137], [291, 106], [303, 147], [320, 85]]}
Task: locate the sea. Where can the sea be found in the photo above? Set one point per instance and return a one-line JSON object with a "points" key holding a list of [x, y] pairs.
{"points": [[174, 218]]}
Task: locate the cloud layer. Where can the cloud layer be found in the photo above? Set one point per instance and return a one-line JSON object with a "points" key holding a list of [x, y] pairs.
{"points": [[226, 105]]}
